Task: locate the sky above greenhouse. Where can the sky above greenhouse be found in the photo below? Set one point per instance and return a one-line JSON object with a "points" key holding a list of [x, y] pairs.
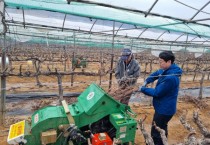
{"points": [[169, 7], [175, 8]]}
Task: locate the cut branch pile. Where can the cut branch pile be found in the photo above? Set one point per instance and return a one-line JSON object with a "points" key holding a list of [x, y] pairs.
{"points": [[122, 94], [40, 103]]}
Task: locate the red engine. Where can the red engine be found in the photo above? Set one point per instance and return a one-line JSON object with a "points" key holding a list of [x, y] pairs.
{"points": [[101, 139]]}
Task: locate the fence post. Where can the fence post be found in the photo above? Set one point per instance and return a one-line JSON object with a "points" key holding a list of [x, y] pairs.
{"points": [[3, 66], [201, 86]]}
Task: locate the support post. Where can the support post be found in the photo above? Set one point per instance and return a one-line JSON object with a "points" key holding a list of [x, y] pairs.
{"points": [[60, 87], [201, 85], [72, 65], [101, 69], [112, 57], [3, 66], [72, 69]]}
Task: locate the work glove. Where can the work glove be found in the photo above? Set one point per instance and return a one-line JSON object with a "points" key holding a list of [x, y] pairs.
{"points": [[123, 79], [144, 84], [139, 88]]}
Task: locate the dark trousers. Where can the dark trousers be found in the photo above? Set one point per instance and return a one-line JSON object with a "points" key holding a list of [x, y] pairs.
{"points": [[162, 122]]}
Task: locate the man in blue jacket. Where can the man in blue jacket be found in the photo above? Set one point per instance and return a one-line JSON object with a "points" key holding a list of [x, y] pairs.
{"points": [[164, 94]]}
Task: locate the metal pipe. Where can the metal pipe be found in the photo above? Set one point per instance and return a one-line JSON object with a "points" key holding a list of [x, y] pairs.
{"points": [[72, 65], [63, 22], [146, 41], [151, 8], [23, 18], [200, 20], [190, 7], [3, 78], [179, 36], [101, 32], [142, 32], [101, 62], [60, 87], [119, 29], [193, 30], [92, 26], [206, 41], [31, 25], [199, 10], [112, 57], [185, 49], [161, 35]]}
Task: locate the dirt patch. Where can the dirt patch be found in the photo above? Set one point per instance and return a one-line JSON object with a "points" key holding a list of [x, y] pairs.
{"points": [[177, 133]]}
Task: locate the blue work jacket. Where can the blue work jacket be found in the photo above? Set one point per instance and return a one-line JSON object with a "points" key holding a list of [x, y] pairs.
{"points": [[166, 91]]}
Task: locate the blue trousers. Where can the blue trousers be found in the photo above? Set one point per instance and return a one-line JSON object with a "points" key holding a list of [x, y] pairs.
{"points": [[162, 122]]}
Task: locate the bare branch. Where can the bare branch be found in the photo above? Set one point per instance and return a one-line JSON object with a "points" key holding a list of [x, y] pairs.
{"points": [[200, 125], [162, 134], [147, 137], [191, 136]]}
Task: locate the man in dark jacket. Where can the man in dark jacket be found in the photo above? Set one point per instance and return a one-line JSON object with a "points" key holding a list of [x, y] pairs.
{"points": [[127, 69], [164, 94], [127, 72]]}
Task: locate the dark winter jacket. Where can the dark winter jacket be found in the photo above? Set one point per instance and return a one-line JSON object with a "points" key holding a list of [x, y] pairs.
{"points": [[166, 91], [131, 71]]}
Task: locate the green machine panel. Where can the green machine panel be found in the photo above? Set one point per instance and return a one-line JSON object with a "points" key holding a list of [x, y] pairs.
{"points": [[125, 126], [93, 104], [92, 98], [44, 119]]}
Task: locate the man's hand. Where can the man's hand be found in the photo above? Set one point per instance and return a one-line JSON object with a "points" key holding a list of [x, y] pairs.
{"points": [[140, 88], [123, 79], [145, 84]]}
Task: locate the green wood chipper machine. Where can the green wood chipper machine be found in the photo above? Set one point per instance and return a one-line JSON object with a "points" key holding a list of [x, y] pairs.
{"points": [[95, 119]]}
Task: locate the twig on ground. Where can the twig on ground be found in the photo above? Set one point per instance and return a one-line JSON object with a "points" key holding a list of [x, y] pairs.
{"points": [[200, 125], [162, 134], [147, 137], [191, 139]]}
